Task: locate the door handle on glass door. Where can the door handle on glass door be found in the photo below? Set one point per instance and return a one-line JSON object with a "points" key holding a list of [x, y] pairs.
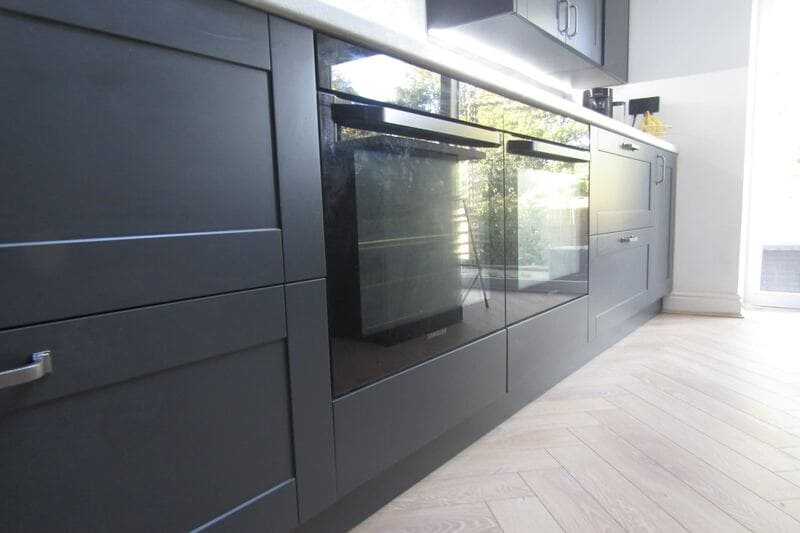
{"points": [[41, 365]]}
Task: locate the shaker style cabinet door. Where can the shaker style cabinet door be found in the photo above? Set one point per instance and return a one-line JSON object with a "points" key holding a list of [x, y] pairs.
{"points": [[621, 183], [585, 27], [160, 418], [618, 278], [549, 15], [133, 173], [144, 359]]}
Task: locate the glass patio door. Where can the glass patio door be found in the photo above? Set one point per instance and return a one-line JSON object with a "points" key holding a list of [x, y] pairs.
{"points": [[773, 262]]}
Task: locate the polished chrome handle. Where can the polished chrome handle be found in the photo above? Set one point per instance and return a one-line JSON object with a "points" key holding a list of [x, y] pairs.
{"points": [[574, 31], [629, 238], [660, 157], [558, 16], [630, 146], [41, 365]]}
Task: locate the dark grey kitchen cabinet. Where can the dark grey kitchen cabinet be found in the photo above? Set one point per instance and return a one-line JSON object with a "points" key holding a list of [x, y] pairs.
{"points": [[538, 348], [585, 28], [133, 173], [621, 183], [663, 222], [161, 235], [387, 421], [618, 277], [616, 22], [582, 42], [143, 243], [577, 23], [549, 15], [158, 418]]}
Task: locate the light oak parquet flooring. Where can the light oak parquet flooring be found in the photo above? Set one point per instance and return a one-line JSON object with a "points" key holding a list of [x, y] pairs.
{"points": [[688, 424]]}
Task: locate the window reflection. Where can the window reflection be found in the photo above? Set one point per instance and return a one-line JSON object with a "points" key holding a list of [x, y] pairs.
{"points": [[547, 210], [352, 70]]}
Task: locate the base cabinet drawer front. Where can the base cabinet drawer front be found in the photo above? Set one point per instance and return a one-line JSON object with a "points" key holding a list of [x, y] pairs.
{"points": [[618, 277], [127, 168], [377, 426], [614, 143], [102, 350], [537, 346], [48, 282], [620, 193], [159, 422]]}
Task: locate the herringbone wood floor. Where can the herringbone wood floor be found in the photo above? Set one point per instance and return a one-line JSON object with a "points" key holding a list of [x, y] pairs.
{"points": [[690, 423]]}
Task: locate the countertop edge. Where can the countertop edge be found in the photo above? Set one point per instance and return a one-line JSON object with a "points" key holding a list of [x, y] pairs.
{"points": [[339, 23]]}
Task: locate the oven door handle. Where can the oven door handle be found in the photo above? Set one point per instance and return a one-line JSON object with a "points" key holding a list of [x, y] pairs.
{"points": [[546, 150], [395, 121]]}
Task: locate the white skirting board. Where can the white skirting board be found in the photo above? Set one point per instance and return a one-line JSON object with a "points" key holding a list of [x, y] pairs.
{"points": [[704, 303]]}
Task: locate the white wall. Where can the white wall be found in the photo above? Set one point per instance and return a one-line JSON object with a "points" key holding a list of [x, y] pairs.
{"points": [[670, 38], [699, 68]]}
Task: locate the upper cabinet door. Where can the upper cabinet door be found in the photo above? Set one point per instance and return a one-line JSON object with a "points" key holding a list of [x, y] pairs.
{"points": [[549, 15], [585, 28]]}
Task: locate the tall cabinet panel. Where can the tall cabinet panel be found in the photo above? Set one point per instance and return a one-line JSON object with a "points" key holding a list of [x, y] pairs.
{"points": [[663, 200], [142, 260]]}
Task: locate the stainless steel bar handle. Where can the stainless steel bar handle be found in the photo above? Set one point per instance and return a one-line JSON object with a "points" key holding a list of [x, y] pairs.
{"points": [[663, 166], [630, 146], [629, 238], [547, 150], [41, 365], [566, 16], [574, 32]]}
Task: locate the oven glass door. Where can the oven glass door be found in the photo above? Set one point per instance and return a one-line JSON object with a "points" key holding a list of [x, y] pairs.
{"points": [[414, 237], [547, 226]]}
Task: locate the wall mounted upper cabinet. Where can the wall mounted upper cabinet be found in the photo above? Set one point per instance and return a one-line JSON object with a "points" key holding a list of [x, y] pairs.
{"points": [[582, 42]]}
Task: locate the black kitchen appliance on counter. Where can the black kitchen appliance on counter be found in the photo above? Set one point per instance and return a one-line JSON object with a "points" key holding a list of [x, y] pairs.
{"points": [[600, 99]]}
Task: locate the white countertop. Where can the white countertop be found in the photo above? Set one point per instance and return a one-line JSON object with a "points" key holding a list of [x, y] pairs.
{"points": [[348, 26]]}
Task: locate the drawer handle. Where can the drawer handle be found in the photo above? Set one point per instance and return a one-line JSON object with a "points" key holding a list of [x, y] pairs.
{"points": [[663, 166], [631, 146], [629, 238], [41, 365]]}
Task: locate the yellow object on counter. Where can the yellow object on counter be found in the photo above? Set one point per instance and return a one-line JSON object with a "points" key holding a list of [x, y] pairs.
{"points": [[653, 125]]}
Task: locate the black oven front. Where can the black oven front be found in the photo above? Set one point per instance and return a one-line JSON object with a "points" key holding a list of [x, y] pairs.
{"points": [[441, 227]]}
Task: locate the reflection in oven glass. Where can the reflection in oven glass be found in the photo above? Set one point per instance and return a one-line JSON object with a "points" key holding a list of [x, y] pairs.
{"points": [[547, 249]]}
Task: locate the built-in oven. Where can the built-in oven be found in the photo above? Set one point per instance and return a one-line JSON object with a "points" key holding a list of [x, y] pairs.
{"points": [[413, 226], [546, 226], [447, 216]]}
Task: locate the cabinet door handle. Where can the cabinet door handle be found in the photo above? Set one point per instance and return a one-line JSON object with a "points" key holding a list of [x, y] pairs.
{"points": [[566, 16], [629, 238], [663, 166], [630, 146], [574, 32], [41, 365]]}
